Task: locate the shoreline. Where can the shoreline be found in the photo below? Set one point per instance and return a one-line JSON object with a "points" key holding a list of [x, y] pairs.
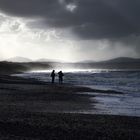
{"points": [[47, 97], [22, 105], [33, 95]]}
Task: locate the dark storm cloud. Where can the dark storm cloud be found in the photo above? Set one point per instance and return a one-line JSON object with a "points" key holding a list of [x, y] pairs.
{"points": [[92, 19]]}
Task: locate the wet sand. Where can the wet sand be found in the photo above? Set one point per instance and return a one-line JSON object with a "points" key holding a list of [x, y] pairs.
{"points": [[31, 110], [35, 96]]}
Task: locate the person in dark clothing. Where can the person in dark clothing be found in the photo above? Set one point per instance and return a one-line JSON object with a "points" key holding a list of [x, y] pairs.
{"points": [[53, 76], [60, 75]]}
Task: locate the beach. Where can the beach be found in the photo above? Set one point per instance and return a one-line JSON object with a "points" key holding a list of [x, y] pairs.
{"points": [[69, 70], [31, 109]]}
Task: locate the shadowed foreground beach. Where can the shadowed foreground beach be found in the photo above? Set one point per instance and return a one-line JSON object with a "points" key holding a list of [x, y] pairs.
{"points": [[31, 110]]}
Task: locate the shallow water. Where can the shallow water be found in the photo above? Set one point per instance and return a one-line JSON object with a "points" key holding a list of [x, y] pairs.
{"points": [[126, 81]]}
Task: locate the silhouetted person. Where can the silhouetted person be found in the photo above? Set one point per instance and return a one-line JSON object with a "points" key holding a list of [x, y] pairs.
{"points": [[60, 75], [53, 76]]}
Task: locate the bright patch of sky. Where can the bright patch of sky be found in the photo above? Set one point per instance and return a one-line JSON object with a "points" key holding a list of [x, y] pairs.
{"points": [[71, 7], [19, 39], [16, 39]]}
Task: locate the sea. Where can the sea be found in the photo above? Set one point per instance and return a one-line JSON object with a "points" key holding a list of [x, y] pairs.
{"points": [[125, 81]]}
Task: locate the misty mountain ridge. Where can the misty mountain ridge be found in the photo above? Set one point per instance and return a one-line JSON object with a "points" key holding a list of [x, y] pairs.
{"points": [[25, 64], [114, 60], [123, 60], [46, 60], [18, 59]]}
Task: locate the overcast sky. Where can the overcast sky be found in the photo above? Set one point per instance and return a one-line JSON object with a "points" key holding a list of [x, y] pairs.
{"points": [[69, 30]]}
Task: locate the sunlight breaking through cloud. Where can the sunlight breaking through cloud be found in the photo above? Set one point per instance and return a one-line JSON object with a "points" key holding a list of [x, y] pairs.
{"points": [[71, 7], [69, 30], [17, 39]]}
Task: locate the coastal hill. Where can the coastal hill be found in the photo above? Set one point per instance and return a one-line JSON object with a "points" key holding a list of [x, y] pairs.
{"points": [[25, 64], [16, 67], [116, 63], [18, 59], [123, 60]]}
